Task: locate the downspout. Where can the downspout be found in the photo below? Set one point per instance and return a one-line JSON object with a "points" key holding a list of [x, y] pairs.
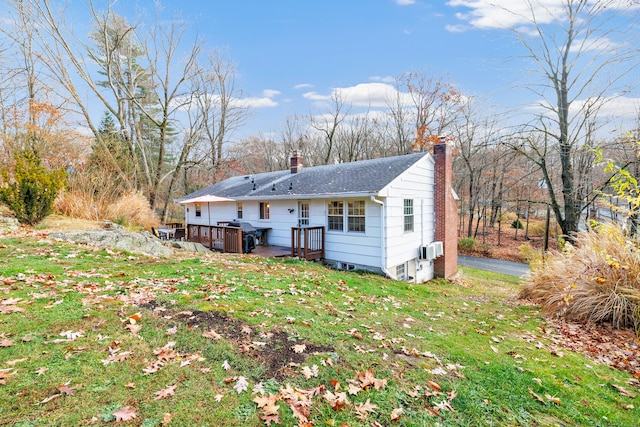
{"points": [[383, 236]]}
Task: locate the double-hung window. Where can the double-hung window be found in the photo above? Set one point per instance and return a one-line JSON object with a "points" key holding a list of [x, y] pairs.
{"points": [[356, 216], [264, 210], [351, 219], [408, 215], [335, 215]]}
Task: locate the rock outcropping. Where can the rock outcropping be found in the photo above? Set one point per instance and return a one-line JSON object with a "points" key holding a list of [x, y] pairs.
{"points": [[144, 243], [8, 224]]}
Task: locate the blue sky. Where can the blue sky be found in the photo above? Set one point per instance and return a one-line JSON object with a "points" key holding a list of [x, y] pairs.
{"points": [[291, 54]]}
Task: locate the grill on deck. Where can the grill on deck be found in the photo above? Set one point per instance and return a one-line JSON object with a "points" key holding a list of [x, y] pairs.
{"points": [[248, 235]]}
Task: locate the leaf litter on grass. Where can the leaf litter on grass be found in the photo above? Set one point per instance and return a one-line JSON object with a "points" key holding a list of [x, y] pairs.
{"points": [[363, 314]]}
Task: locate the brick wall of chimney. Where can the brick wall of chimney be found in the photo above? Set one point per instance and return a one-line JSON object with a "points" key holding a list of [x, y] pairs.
{"points": [[446, 212], [296, 162]]}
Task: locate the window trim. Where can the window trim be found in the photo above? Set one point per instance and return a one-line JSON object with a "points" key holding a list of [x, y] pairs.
{"points": [[347, 217], [198, 209], [354, 216]]}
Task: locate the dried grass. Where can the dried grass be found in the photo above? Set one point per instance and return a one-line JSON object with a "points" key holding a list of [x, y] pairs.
{"points": [[130, 209], [597, 280]]}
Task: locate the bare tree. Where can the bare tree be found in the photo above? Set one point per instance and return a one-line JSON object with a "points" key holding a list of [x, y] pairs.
{"points": [[327, 124], [575, 62], [354, 138]]}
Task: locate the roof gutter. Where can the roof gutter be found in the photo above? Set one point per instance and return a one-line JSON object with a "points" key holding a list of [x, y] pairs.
{"points": [[383, 237]]}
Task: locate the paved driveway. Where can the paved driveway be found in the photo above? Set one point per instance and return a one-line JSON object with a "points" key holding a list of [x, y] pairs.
{"points": [[496, 265]]}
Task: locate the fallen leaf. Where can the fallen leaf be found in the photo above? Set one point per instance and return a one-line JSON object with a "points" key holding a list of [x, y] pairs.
{"points": [[268, 419], [212, 335], [50, 398], [495, 350], [299, 348], [135, 318], [130, 385], [172, 331], [125, 414], [338, 400], [310, 372], [6, 343], [553, 399], [218, 397], [225, 365], [396, 414], [354, 389], [537, 380], [364, 409], [133, 328], [65, 389], [71, 335], [241, 385], [537, 397], [434, 385], [623, 391], [165, 392], [166, 419], [42, 370], [15, 361]]}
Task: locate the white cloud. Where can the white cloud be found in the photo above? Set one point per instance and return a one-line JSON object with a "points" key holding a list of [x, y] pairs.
{"points": [[602, 44], [620, 107], [315, 96], [252, 102], [383, 79], [270, 93], [487, 14], [303, 86], [367, 95], [405, 2]]}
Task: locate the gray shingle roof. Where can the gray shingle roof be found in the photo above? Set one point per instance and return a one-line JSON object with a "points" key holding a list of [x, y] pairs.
{"points": [[362, 177]]}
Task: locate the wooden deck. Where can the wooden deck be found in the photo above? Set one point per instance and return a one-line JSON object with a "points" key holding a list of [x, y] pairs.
{"points": [[306, 242], [270, 251]]}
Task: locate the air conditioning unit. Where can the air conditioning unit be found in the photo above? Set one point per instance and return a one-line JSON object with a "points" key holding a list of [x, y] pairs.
{"points": [[427, 252], [438, 249]]}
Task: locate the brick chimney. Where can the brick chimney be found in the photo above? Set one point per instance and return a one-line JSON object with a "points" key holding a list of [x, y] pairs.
{"points": [[296, 162], [446, 211]]}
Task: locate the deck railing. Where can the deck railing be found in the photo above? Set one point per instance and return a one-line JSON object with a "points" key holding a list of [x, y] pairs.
{"points": [[220, 238], [307, 242]]}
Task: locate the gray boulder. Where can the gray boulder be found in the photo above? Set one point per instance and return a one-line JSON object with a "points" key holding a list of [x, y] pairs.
{"points": [[116, 238], [8, 224]]}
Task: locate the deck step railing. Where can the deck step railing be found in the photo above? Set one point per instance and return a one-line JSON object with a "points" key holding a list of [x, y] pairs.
{"points": [[307, 242]]}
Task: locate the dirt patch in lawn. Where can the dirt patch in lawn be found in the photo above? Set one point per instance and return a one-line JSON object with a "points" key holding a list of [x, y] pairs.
{"points": [[275, 350]]}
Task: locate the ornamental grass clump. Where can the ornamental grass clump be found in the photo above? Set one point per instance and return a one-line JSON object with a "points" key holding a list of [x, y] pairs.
{"points": [[596, 280]]}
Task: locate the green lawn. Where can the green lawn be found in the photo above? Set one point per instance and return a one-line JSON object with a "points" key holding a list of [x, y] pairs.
{"points": [[93, 337]]}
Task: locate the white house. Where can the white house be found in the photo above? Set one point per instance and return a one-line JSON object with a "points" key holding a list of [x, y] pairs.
{"points": [[394, 215]]}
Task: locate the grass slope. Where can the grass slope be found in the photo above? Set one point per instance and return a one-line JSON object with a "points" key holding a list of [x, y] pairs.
{"points": [[93, 337]]}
